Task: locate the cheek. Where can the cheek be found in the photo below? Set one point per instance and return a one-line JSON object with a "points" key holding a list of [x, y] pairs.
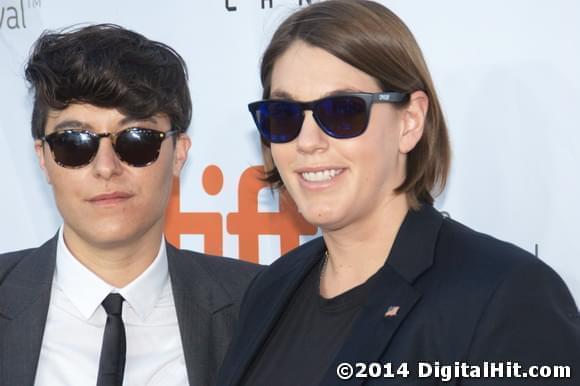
{"points": [[162, 169], [64, 182], [382, 140], [378, 157], [155, 181], [282, 156], [68, 195]]}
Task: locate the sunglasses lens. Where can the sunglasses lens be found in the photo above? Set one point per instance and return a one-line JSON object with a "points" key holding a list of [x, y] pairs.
{"points": [[138, 147], [73, 148], [342, 116], [277, 121]]}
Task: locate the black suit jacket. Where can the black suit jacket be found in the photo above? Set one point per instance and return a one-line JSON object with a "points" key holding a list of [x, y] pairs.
{"points": [[462, 296], [206, 290]]}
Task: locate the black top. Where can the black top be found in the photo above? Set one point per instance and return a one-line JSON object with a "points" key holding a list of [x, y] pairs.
{"points": [[459, 295], [308, 336]]}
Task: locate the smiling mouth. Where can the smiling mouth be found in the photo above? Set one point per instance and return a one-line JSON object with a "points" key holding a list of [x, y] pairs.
{"points": [[321, 175]]}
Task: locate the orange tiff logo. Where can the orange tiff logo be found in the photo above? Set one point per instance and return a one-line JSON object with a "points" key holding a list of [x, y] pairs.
{"points": [[248, 223]]}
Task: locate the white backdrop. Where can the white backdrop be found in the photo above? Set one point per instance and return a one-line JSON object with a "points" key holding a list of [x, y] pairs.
{"points": [[507, 74]]}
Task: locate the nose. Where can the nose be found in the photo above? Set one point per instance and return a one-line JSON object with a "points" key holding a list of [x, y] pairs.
{"points": [[106, 163], [311, 138]]}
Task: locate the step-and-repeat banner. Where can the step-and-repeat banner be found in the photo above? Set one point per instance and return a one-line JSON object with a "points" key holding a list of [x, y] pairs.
{"points": [[507, 74]]}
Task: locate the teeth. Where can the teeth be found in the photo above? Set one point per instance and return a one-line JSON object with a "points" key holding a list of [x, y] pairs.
{"points": [[321, 175]]}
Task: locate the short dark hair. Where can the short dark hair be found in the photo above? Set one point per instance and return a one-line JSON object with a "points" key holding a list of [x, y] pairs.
{"points": [[107, 66], [370, 37]]}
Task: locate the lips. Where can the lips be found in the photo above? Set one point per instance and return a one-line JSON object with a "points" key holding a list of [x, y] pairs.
{"points": [[319, 177], [110, 198]]}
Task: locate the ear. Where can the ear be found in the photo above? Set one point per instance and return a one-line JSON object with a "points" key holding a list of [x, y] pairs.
{"points": [[414, 116], [39, 149], [180, 153]]}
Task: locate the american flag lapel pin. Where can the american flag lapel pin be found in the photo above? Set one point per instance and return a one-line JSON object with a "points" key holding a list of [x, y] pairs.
{"points": [[392, 311]]}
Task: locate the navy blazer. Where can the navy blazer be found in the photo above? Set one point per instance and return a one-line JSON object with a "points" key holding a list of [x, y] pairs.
{"points": [[462, 296]]}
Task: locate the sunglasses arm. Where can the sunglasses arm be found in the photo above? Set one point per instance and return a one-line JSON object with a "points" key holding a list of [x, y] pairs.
{"points": [[390, 97]]}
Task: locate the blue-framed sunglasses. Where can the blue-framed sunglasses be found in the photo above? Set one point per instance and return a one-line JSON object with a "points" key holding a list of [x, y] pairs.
{"points": [[339, 116]]}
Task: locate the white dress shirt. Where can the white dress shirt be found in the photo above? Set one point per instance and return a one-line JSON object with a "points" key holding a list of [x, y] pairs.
{"points": [[76, 322]]}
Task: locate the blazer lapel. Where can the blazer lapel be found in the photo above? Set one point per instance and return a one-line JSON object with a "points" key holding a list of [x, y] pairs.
{"points": [[198, 296], [24, 302], [274, 299], [392, 299], [411, 254], [392, 294]]}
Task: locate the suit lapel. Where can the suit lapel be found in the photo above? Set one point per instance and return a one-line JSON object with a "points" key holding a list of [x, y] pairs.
{"points": [[24, 302], [274, 299], [411, 254], [392, 299], [198, 296], [392, 294]]}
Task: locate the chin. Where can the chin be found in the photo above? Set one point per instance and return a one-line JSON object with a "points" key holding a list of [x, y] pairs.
{"points": [[111, 233], [111, 239], [325, 219]]}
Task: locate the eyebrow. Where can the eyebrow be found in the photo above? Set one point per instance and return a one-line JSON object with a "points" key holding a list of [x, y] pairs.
{"points": [[76, 124], [71, 124], [128, 120], [281, 94]]}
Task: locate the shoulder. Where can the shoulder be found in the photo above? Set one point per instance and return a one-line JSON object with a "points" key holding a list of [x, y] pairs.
{"points": [[457, 237], [300, 255], [484, 258], [294, 261], [284, 273], [10, 260], [504, 285], [508, 270], [526, 312], [228, 271], [482, 263]]}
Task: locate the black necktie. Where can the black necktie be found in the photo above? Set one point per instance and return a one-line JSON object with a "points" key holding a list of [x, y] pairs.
{"points": [[112, 362]]}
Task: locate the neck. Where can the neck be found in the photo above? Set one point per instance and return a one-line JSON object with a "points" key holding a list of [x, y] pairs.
{"points": [[118, 263], [359, 250]]}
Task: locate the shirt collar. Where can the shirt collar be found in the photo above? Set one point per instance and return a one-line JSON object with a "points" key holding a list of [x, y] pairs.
{"points": [[86, 290]]}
